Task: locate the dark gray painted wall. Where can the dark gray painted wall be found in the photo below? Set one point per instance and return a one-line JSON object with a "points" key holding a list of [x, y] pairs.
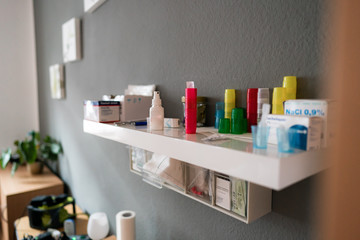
{"points": [[218, 44]]}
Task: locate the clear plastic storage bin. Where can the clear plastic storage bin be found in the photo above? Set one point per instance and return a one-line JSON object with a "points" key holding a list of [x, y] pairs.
{"points": [[157, 169], [199, 182]]}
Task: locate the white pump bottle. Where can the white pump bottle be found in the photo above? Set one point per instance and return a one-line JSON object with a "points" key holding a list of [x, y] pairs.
{"points": [[156, 113]]}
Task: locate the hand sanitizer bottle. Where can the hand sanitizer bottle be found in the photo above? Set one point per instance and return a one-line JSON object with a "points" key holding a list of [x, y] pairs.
{"points": [[156, 113]]}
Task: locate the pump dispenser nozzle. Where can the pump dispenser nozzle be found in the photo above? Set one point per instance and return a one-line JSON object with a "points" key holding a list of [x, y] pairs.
{"points": [[156, 101]]}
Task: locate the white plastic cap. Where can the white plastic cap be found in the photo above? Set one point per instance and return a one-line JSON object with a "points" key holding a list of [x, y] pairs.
{"points": [[263, 95], [190, 84]]}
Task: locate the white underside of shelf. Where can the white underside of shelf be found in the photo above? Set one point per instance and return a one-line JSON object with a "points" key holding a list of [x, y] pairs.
{"points": [[234, 157]]}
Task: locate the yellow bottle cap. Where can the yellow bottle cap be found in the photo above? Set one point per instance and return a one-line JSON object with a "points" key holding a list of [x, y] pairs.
{"points": [[279, 96], [229, 101], [229, 95], [290, 84]]}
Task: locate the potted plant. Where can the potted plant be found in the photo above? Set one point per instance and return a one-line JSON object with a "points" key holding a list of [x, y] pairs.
{"points": [[33, 152]]}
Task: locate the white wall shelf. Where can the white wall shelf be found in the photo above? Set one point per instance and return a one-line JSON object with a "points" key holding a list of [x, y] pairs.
{"points": [[234, 157], [258, 199]]}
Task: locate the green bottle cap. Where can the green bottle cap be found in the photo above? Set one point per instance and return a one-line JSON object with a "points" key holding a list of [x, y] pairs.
{"points": [[236, 115], [224, 125], [243, 125]]}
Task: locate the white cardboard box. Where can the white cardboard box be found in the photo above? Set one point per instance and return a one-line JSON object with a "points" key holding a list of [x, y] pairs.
{"points": [[320, 108], [223, 193], [102, 111], [311, 125], [135, 108]]}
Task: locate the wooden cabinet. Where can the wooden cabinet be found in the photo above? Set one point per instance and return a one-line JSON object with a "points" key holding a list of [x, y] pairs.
{"points": [[18, 190]]}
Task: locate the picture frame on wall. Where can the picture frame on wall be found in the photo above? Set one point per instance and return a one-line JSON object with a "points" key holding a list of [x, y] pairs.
{"points": [[57, 82], [71, 40], [91, 5]]}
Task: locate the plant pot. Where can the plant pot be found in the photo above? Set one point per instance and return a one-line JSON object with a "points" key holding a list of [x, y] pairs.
{"points": [[35, 168]]}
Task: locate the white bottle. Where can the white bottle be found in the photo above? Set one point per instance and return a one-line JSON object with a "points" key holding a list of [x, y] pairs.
{"points": [[156, 113]]}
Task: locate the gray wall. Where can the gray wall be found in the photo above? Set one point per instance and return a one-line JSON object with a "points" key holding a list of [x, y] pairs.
{"points": [[218, 44]]}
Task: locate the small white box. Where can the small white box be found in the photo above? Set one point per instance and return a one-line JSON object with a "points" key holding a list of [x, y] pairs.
{"points": [[311, 127], [320, 108], [171, 122], [223, 189], [102, 111], [135, 108]]}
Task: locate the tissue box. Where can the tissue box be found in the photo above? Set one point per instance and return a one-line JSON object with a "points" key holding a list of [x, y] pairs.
{"points": [[309, 127], [321, 108], [135, 108], [102, 111]]}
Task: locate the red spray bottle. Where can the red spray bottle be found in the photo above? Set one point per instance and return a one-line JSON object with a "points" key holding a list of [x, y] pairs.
{"points": [[190, 108]]}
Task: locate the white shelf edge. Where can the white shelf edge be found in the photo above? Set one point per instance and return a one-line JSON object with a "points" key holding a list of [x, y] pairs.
{"points": [[274, 172]]}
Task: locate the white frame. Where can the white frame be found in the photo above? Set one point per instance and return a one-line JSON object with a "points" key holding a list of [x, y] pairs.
{"points": [[91, 5], [57, 82], [71, 40]]}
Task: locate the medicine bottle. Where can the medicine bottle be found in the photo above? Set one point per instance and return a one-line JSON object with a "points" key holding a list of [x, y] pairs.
{"points": [[156, 113]]}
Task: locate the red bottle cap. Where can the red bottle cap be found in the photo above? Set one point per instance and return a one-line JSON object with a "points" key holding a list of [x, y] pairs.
{"points": [[252, 95]]}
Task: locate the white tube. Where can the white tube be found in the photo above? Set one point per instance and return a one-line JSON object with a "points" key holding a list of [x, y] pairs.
{"points": [[125, 225]]}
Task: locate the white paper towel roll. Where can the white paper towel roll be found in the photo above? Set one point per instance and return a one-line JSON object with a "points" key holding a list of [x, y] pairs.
{"points": [[125, 225]]}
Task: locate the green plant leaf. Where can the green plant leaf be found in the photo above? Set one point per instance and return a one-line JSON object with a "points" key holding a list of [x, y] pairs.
{"points": [[20, 153], [28, 150], [14, 167], [50, 149], [5, 156], [35, 137], [47, 139], [55, 148]]}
